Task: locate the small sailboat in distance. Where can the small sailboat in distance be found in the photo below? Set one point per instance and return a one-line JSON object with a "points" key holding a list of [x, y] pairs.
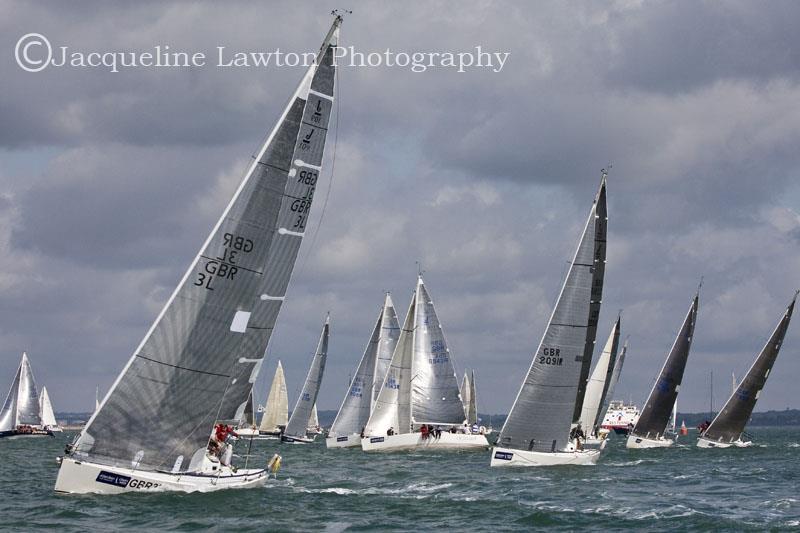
{"points": [[652, 424], [537, 429], [313, 427], [49, 422], [276, 412], [163, 424], [296, 431], [727, 428], [20, 416]]}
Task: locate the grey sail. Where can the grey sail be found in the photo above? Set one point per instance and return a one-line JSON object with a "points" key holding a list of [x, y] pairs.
{"points": [[357, 404], [599, 381], [298, 422], [435, 398], [617, 371], [732, 419], [659, 405], [276, 412], [392, 409], [542, 414], [249, 418], [472, 408], [22, 402], [199, 360]]}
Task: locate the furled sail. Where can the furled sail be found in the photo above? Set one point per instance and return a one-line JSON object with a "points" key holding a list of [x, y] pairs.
{"points": [[357, 404], [298, 422], [48, 417], [543, 411], [656, 412], [200, 358], [393, 407], [600, 380], [276, 412], [732, 419], [22, 403]]}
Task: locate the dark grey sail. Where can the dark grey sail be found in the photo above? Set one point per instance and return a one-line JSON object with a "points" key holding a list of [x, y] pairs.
{"points": [[542, 414], [22, 402], [732, 419], [198, 362], [661, 401], [616, 373], [298, 422]]}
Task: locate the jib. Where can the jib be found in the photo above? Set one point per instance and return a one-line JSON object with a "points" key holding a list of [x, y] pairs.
{"points": [[139, 484], [237, 243]]}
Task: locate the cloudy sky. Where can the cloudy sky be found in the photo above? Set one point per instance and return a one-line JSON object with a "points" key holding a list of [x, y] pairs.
{"points": [[110, 182]]}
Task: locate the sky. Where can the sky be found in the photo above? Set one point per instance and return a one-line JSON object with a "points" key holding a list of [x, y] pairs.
{"points": [[111, 181]]}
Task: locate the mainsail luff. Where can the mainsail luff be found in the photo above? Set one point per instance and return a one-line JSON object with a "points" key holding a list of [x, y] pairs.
{"points": [[435, 398], [599, 381], [542, 413], [276, 411], [730, 422], [198, 361], [48, 417], [660, 402], [298, 422]]}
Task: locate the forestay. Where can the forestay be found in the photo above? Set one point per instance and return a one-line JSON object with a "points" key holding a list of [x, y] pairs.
{"points": [[732, 419], [199, 360], [542, 414], [276, 412], [298, 422], [600, 380], [22, 403]]}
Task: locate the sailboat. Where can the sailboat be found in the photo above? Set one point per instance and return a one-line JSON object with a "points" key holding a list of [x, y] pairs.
{"points": [[469, 398], [537, 429], [362, 393], [247, 426], [20, 416], [196, 366], [46, 414], [296, 429], [598, 387], [420, 388], [652, 424], [276, 412], [728, 426]]}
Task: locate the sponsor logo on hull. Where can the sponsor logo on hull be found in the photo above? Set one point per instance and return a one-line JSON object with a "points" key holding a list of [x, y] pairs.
{"points": [[118, 480], [505, 456]]}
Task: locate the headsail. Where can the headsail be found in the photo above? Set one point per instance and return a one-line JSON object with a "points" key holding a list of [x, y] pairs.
{"points": [[542, 414], [46, 413], [22, 403], [472, 409], [276, 412], [313, 420], [656, 412], [199, 360], [617, 370], [599, 382], [298, 422], [357, 404], [465, 391], [249, 417], [732, 419]]}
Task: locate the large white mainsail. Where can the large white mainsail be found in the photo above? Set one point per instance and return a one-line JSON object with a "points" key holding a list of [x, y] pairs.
{"points": [[298, 423], [46, 413], [22, 402], [276, 412], [370, 373], [599, 382], [197, 363], [537, 428]]}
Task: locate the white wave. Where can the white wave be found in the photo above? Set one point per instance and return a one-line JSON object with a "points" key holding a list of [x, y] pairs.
{"points": [[793, 445]]}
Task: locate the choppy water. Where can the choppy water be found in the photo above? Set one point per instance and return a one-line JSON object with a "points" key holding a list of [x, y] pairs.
{"points": [[346, 490]]}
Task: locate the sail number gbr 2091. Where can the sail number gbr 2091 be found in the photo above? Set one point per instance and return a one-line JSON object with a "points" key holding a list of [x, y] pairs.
{"points": [[551, 356]]}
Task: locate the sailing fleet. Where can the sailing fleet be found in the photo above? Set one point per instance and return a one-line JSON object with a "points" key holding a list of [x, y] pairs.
{"points": [[190, 381]]}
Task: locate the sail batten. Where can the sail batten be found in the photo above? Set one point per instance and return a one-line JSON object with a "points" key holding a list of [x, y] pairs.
{"points": [[303, 408]]}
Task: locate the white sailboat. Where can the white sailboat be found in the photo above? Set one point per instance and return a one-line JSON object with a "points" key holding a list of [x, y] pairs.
{"points": [[727, 428], [276, 412], [20, 416], [420, 388], [351, 420], [597, 389], [196, 366], [537, 429], [313, 427], [650, 428], [46, 413], [296, 431]]}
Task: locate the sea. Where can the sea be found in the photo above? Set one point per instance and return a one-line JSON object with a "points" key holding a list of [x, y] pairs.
{"points": [[680, 488]]}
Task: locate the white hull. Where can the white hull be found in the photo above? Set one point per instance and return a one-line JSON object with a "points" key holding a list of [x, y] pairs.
{"points": [[247, 432], [702, 442], [511, 457], [78, 477], [635, 442], [297, 440], [414, 441], [344, 441]]}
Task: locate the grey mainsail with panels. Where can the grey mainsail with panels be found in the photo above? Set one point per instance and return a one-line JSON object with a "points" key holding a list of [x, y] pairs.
{"points": [[435, 398], [22, 402], [276, 411], [659, 405], [542, 414], [599, 381], [301, 414], [357, 404], [730, 422], [198, 362]]}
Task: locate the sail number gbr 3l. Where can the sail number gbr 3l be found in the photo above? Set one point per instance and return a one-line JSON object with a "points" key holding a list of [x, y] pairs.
{"points": [[224, 267], [551, 356]]}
